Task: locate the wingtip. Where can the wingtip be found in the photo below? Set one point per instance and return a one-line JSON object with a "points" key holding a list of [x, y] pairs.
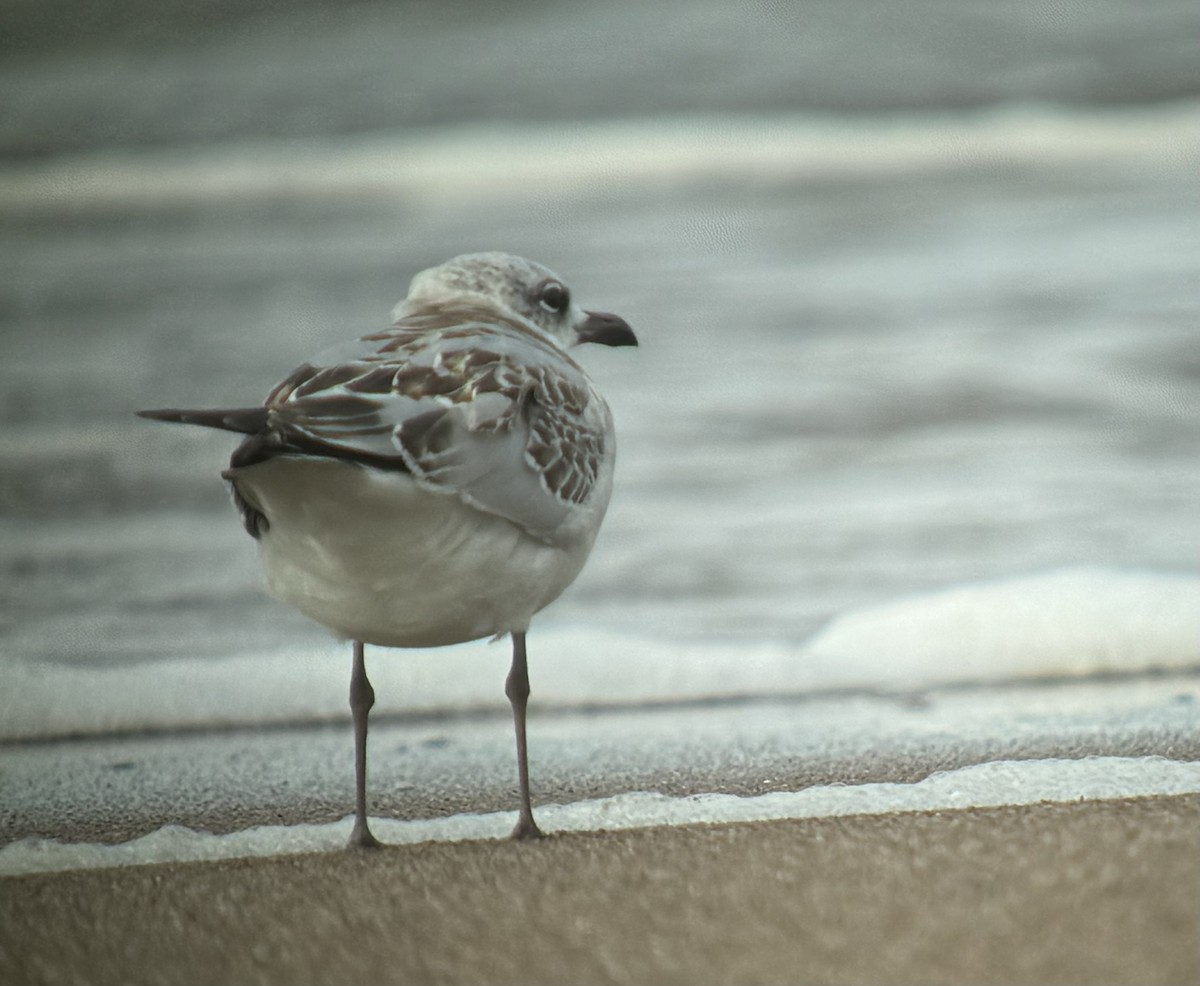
{"points": [[246, 420]]}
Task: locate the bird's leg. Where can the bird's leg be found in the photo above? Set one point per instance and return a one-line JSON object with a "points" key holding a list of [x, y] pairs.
{"points": [[517, 690], [362, 697]]}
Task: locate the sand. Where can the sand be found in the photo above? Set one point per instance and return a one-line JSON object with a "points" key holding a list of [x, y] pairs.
{"points": [[1088, 892]]}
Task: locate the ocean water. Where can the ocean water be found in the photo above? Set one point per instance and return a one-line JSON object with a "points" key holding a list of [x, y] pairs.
{"points": [[915, 407]]}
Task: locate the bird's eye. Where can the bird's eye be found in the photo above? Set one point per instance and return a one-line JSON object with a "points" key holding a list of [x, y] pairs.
{"points": [[553, 297]]}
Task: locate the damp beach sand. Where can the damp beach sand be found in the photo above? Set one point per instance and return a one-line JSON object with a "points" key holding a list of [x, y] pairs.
{"points": [[1096, 891]]}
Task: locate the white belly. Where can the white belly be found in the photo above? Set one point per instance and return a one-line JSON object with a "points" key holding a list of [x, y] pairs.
{"points": [[374, 557]]}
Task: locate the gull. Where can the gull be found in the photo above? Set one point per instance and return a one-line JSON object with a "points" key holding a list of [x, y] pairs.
{"points": [[436, 482]]}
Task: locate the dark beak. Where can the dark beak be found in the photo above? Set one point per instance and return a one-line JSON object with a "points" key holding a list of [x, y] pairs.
{"points": [[606, 329]]}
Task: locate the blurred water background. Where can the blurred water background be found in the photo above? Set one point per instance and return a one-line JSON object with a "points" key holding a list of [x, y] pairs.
{"points": [[916, 284]]}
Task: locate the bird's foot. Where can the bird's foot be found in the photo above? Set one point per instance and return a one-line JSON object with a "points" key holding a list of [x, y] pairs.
{"points": [[361, 838], [526, 830]]}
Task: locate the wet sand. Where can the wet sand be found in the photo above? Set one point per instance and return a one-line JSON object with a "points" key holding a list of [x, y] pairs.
{"points": [[1089, 892]]}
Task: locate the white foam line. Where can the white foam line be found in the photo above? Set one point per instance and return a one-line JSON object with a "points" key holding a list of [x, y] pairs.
{"points": [[1072, 621], [1003, 782], [486, 161]]}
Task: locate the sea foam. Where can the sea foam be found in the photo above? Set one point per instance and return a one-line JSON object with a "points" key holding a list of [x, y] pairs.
{"points": [[1007, 782], [1072, 622]]}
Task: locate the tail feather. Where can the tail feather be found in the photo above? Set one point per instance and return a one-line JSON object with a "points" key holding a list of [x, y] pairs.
{"points": [[244, 420]]}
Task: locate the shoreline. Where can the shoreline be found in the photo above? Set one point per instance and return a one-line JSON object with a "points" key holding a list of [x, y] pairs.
{"points": [[1080, 892], [1001, 783], [118, 789]]}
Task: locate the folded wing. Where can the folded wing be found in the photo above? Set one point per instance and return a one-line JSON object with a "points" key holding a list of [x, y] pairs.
{"points": [[485, 410]]}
